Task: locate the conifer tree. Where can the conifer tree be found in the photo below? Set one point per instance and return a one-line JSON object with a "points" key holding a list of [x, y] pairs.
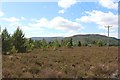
{"points": [[50, 44], [56, 44], [69, 43], [29, 45], [79, 43], [6, 41], [19, 40], [37, 43], [44, 44], [63, 42]]}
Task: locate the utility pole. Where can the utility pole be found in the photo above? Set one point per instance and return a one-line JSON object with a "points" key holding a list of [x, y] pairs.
{"points": [[108, 34], [0, 54], [0, 28]]}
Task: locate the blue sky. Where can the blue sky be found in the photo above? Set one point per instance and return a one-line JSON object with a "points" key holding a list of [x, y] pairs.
{"points": [[60, 18]]}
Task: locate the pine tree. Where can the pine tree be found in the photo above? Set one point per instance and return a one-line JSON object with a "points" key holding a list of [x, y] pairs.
{"points": [[30, 40], [6, 41], [37, 43], [44, 44], [19, 40], [56, 44], [50, 44], [64, 43], [29, 45], [79, 43], [69, 43], [13, 50]]}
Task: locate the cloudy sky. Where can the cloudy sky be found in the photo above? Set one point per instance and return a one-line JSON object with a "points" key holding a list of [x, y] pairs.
{"points": [[43, 18]]}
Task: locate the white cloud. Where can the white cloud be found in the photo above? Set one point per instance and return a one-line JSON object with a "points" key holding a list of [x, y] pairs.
{"points": [[61, 11], [65, 4], [32, 19], [67, 34], [11, 19], [43, 21], [37, 27], [25, 28], [110, 4], [15, 24], [63, 24], [1, 13], [101, 19], [59, 23], [39, 23], [23, 18]]}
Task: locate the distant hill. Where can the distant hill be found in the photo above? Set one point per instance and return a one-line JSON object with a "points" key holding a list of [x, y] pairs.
{"points": [[88, 38]]}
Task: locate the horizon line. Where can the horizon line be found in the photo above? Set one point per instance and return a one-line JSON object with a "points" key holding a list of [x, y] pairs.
{"points": [[74, 35]]}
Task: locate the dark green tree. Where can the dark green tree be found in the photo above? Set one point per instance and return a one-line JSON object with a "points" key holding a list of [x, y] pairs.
{"points": [[50, 43], [30, 40], [19, 40], [79, 43], [37, 43], [29, 45], [6, 41], [43, 44], [63, 43], [71, 44]]}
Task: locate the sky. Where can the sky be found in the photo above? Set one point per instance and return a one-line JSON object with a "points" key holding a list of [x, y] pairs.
{"points": [[60, 18]]}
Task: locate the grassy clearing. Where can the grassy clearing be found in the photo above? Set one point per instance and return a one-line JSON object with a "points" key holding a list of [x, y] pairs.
{"points": [[64, 62]]}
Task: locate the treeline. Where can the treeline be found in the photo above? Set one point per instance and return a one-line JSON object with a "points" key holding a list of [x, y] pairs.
{"points": [[17, 43]]}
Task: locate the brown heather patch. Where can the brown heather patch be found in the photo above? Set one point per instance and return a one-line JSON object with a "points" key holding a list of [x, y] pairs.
{"points": [[63, 62]]}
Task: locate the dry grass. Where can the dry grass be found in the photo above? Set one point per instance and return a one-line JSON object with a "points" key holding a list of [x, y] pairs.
{"points": [[62, 63]]}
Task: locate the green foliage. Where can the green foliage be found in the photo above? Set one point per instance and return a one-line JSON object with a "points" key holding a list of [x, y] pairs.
{"points": [[29, 45], [69, 43], [56, 44], [13, 50], [18, 43], [63, 43], [44, 44], [100, 43], [85, 44], [6, 41], [94, 42], [79, 43], [19, 40], [50, 44], [37, 43], [30, 40], [89, 45]]}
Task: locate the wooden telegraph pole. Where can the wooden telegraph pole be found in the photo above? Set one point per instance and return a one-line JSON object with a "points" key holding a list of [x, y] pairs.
{"points": [[108, 35]]}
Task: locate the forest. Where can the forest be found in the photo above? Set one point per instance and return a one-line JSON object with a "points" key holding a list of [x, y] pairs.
{"points": [[17, 42]]}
